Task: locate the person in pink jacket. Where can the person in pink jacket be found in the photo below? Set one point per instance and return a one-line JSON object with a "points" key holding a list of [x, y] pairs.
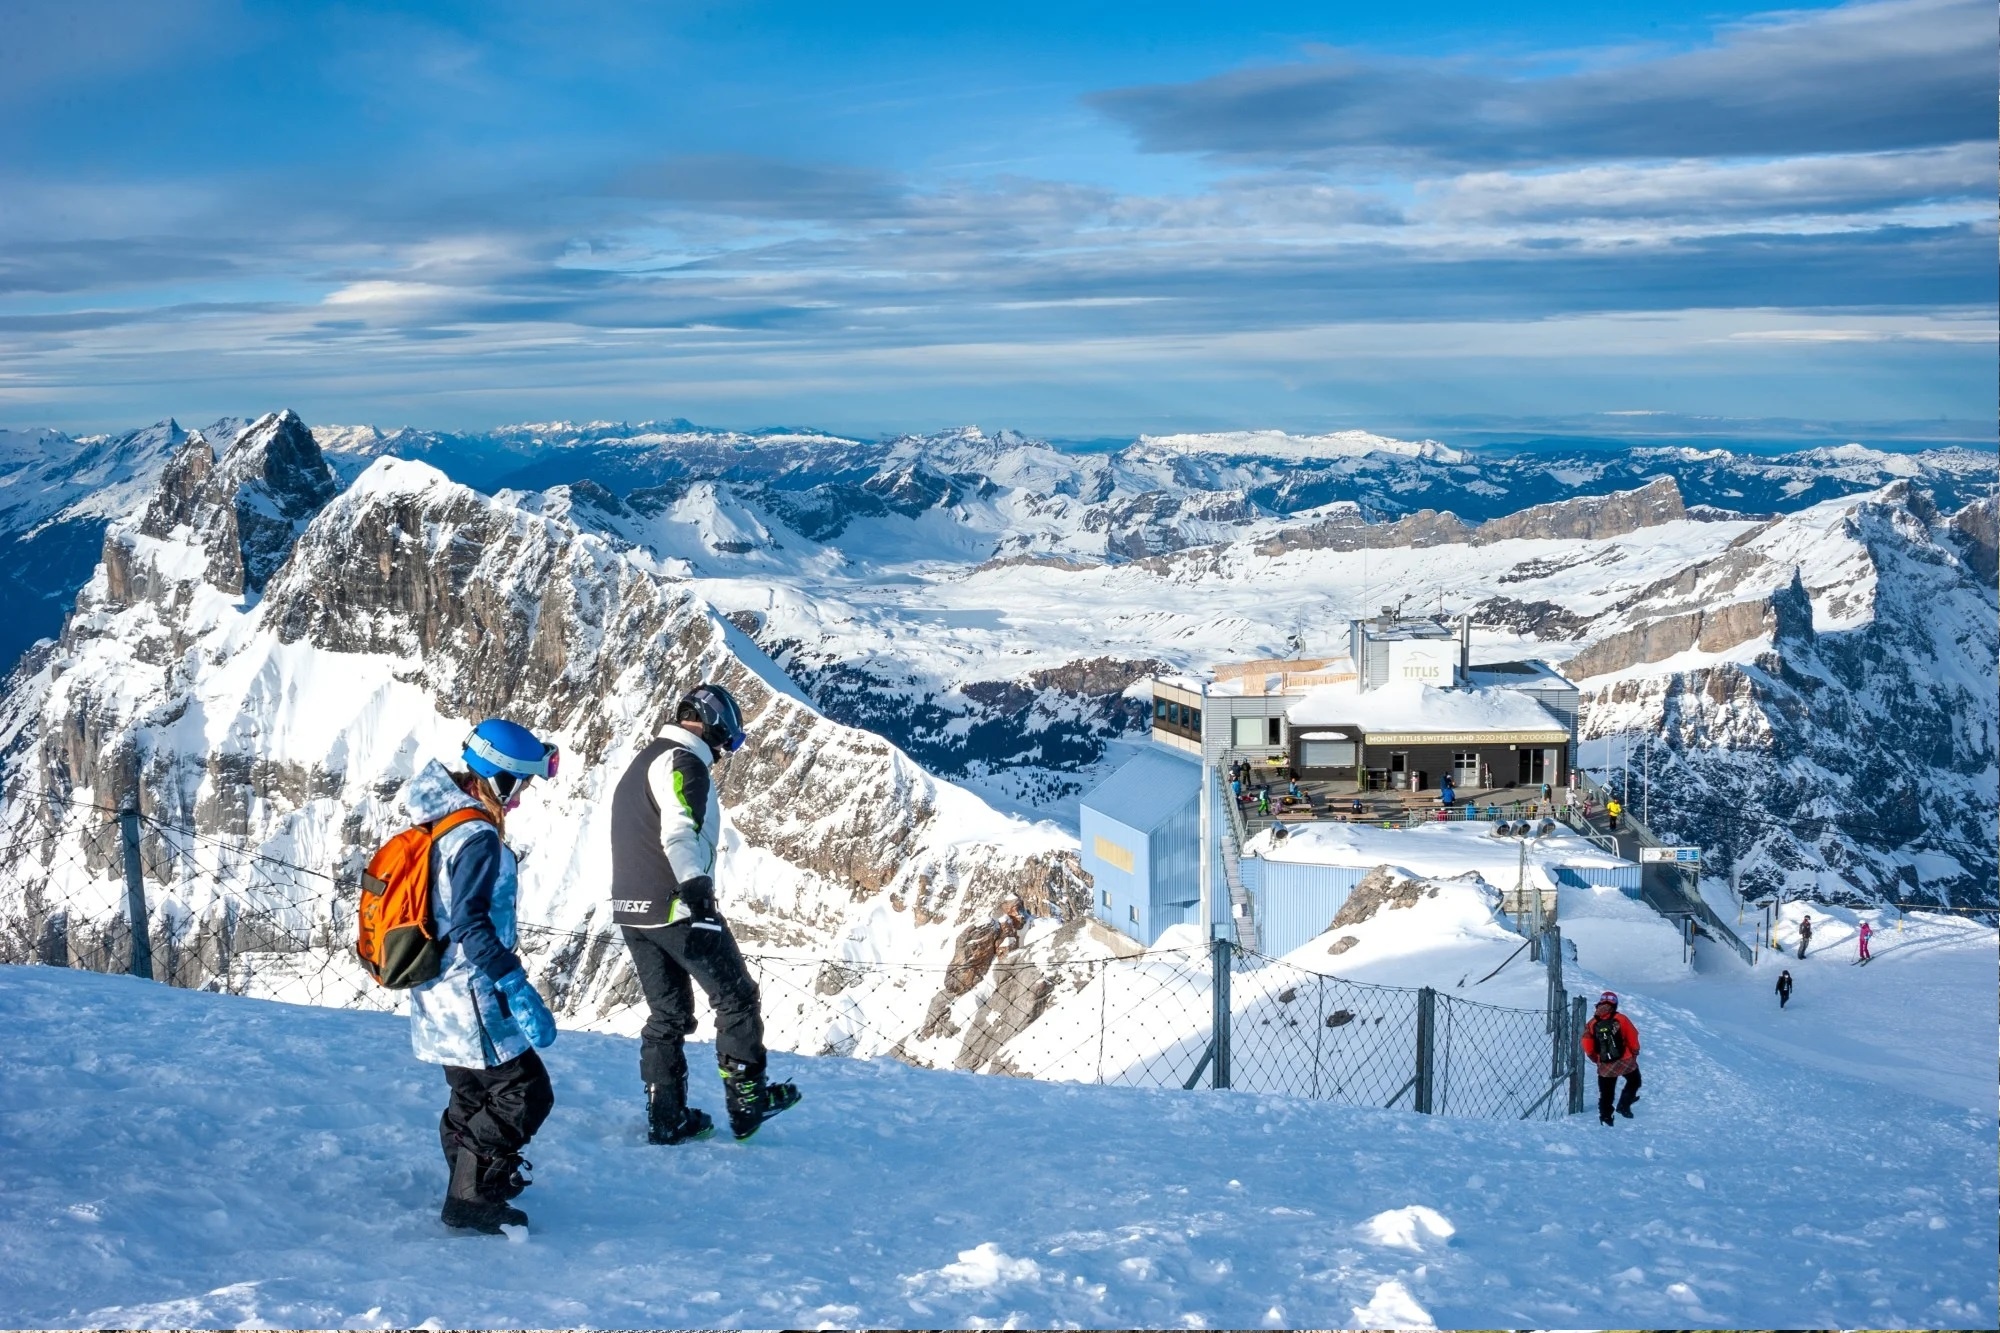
{"points": [[1866, 931]]}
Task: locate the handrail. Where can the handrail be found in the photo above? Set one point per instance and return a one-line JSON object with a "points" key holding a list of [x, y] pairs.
{"points": [[1697, 906]]}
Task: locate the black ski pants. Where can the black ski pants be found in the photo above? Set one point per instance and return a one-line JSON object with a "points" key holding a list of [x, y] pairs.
{"points": [[495, 1111], [1606, 1086], [668, 960]]}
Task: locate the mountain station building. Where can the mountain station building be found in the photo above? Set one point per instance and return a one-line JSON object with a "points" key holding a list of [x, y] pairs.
{"points": [[1370, 736]]}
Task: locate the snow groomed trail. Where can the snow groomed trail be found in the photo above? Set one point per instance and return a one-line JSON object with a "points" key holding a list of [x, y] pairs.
{"points": [[179, 1158]]}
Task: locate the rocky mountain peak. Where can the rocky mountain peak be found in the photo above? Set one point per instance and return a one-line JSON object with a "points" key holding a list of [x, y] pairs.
{"points": [[1592, 517], [278, 464]]}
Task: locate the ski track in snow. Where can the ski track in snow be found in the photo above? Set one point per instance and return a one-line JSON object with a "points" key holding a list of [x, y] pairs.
{"points": [[178, 1158]]}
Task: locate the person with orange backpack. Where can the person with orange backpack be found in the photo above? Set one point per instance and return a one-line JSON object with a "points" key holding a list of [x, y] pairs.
{"points": [[476, 1013], [1612, 1043]]}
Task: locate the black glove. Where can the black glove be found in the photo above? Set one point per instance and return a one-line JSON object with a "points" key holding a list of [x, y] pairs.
{"points": [[698, 896]]}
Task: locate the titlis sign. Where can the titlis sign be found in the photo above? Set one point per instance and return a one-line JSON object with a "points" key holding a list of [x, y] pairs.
{"points": [[1680, 856]]}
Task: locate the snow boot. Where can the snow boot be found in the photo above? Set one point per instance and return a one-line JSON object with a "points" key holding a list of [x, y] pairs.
{"points": [[477, 1199], [669, 1119], [1605, 1117], [751, 1100]]}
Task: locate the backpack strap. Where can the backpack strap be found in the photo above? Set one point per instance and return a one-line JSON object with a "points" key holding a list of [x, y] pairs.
{"points": [[464, 815]]}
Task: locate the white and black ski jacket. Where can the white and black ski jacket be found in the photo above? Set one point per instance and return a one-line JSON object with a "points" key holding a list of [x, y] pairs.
{"points": [[666, 821]]}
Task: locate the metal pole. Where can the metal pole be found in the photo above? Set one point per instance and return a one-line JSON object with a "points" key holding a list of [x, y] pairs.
{"points": [[1208, 799], [1426, 1045], [1577, 1053], [1220, 952], [135, 896], [1646, 781]]}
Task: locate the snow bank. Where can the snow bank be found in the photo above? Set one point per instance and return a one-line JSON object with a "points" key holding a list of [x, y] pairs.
{"points": [[183, 1159], [1411, 707], [1453, 847]]}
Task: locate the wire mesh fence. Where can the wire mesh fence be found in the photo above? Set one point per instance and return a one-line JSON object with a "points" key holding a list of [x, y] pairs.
{"points": [[224, 916]]}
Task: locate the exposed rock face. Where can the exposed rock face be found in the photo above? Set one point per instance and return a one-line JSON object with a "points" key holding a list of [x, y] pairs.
{"points": [[1709, 631], [1978, 529], [409, 606], [1351, 532], [1591, 516], [1852, 743], [1540, 619], [1380, 890], [248, 507]]}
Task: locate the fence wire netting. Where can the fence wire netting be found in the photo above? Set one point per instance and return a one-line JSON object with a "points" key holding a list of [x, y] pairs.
{"points": [[227, 917]]}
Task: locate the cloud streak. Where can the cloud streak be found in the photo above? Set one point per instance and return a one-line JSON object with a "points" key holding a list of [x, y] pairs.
{"points": [[1863, 78]]}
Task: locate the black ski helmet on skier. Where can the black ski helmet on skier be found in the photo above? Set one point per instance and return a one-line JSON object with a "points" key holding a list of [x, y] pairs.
{"points": [[717, 711]]}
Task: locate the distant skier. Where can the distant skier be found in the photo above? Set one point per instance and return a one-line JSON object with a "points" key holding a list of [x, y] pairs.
{"points": [[1866, 931], [1446, 793], [666, 821], [1611, 1041], [479, 1017], [1263, 799], [1784, 989], [1805, 934]]}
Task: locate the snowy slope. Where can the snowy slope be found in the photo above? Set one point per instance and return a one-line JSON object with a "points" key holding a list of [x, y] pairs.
{"points": [[175, 1158], [263, 661]]}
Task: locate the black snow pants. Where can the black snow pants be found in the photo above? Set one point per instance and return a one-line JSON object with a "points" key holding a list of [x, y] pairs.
{"points": [[495, 1111], [667, 960], [1605, 1087]]}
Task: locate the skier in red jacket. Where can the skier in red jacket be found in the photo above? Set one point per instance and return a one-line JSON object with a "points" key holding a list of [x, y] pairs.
{"points": [[1612, 1043]]}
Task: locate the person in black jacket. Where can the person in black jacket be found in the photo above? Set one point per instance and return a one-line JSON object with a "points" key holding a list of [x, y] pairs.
{"points": [[1784, 989], [666, 821]]}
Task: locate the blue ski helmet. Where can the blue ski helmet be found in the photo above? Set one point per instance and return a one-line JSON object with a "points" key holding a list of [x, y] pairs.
{"points": [[509, 753], [717, 710]]}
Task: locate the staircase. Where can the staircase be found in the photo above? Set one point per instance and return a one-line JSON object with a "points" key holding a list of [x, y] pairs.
{"points": [[1242, 908], [1660, 886]]}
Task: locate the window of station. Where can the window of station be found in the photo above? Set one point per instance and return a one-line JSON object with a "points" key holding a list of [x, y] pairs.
{"points": [[1171, 715]]}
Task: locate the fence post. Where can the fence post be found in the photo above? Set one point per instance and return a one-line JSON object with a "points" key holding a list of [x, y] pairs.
{"points": [[1575, 1054], [1220, 952], [135, 896], [1426, 1043]]}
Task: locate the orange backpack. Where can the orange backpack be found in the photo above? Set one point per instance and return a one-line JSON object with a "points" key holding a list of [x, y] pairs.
{"points": [[398, 940]]}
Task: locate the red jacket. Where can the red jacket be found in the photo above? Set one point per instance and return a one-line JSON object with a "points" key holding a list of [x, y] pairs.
{"points": [[1625, 1030]]}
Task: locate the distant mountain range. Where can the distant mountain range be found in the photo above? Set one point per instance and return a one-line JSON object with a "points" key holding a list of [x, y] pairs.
{"points": [[1808, 639]]}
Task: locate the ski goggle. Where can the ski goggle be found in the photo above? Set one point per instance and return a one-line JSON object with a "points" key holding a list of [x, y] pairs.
{"points": [[513, 765]]}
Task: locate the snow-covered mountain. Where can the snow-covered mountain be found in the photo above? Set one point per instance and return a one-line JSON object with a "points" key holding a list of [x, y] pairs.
{"points": [[987, 602], [263, 657]]}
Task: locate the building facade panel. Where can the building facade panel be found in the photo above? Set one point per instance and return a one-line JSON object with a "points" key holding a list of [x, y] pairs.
{"points": [[1118, 859], [1297, 901]]}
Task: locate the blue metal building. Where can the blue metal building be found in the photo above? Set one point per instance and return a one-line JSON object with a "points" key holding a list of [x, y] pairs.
{"points": [[1141, 833]]}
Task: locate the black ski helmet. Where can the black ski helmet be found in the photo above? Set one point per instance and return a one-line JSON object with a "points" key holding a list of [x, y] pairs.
{"points": [[720, 716]]}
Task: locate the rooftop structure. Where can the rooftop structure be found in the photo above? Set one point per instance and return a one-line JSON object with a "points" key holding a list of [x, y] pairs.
{"points": [[1404, 721]]}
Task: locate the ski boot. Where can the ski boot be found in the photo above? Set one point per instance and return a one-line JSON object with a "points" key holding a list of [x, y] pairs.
{"points": [[669, 1119], [481, 1187], [751, 1100]]}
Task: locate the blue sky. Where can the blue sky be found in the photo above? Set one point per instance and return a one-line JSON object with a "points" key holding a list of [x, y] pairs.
{"points": [[1072, 219]]}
